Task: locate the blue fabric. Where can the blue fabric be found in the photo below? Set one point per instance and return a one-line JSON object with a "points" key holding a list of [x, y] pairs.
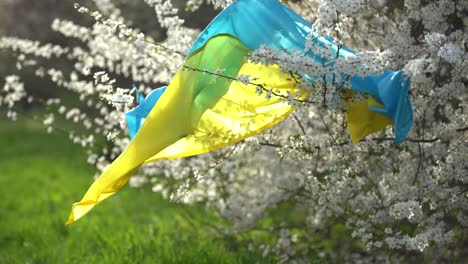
{"points": [[257, 22], [137, 116]]}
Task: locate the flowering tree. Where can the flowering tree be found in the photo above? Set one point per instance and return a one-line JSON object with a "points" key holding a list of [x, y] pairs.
{"points": [[393, 202]]}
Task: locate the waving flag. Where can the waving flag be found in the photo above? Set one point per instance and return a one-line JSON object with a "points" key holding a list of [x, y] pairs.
{"points": [[197, 112]]}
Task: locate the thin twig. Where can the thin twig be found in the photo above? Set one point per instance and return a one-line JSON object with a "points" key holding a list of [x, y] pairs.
{"points": [[261, 86], [102, 20], [378, 140], [308, 6], [300, 124]]}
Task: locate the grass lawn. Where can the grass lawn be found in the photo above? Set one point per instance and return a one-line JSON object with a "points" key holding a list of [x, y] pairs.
{"points": [[42, 174]]}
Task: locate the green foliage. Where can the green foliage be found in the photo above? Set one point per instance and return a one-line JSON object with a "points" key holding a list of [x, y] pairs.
{"points": [[42, 175]]}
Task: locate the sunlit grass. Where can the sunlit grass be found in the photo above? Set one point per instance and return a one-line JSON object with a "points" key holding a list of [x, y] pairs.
{"points": [[42, 174]]}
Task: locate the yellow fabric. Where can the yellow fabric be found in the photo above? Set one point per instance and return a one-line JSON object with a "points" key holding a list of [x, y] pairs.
{"points": [[362, 121], [163, 130], [197, 114], [240, 113]]}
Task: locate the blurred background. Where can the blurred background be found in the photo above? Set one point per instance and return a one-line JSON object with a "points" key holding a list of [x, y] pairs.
{"points": [[33, 19]]}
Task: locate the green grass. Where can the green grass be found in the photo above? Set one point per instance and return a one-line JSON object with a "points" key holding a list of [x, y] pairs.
{"points": [[42, 174]]}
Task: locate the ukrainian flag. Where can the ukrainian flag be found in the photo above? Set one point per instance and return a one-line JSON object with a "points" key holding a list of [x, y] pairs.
{"points": [[197, 113]]}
